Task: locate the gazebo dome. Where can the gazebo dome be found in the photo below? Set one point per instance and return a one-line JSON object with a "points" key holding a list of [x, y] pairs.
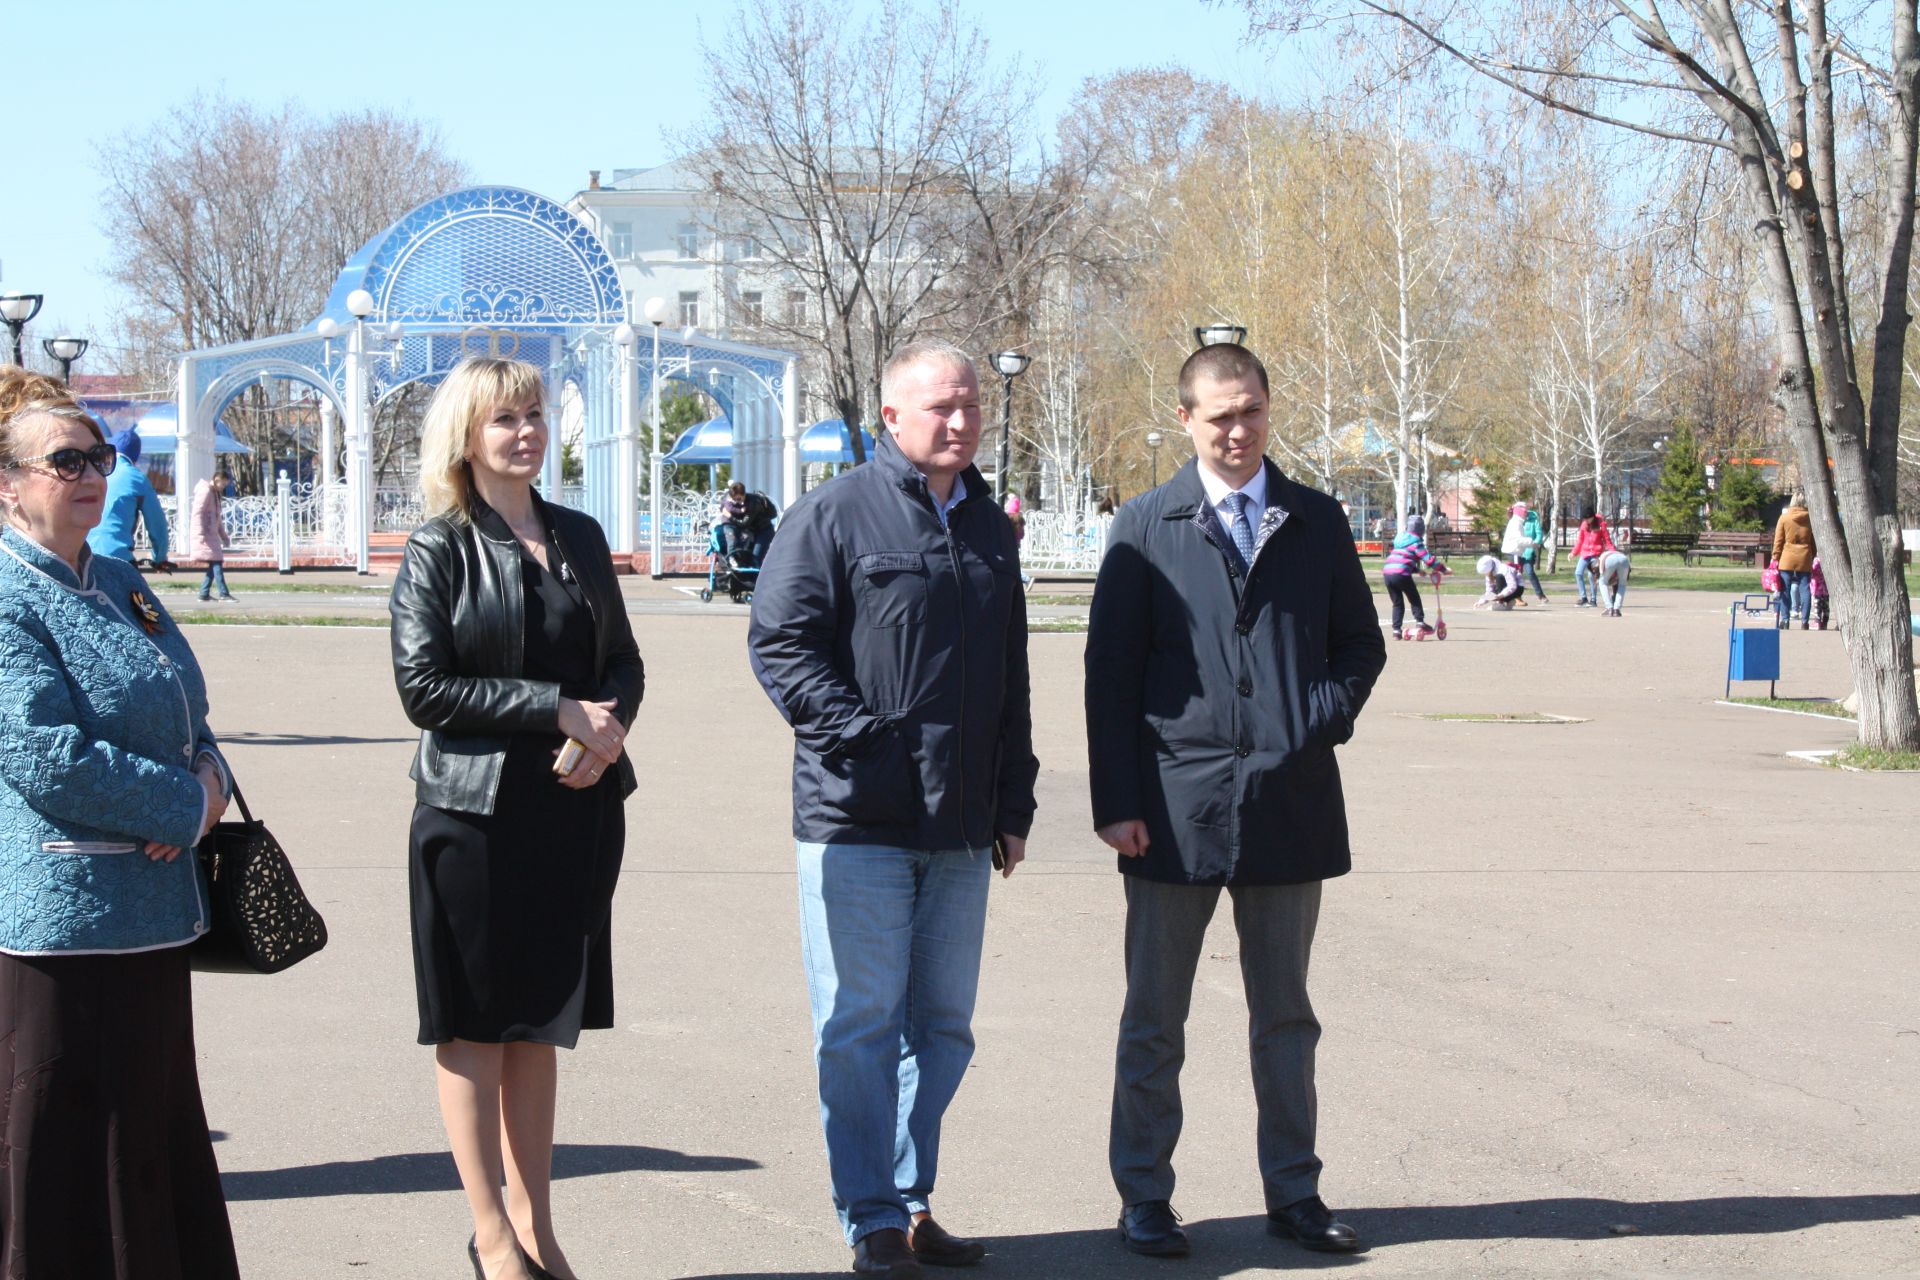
{"points": [[485, 256]]}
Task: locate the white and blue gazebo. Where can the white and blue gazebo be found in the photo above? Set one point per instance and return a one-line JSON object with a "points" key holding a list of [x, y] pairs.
{"points": [[498, 271]]}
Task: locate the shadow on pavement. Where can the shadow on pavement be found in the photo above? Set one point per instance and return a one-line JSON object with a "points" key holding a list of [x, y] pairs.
{"points": [[1224, 1247], [433, 1171], [304, 740]]}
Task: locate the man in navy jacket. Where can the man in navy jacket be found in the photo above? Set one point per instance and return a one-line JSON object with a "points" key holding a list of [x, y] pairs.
{"points": [[890, 629], [1232, 643]]}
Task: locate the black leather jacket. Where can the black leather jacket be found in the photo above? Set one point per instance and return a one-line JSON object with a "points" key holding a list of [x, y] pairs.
{"points": [[458, 642]]}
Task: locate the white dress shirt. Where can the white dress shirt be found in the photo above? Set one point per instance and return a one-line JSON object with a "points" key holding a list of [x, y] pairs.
{"points": [[1218, 491]]}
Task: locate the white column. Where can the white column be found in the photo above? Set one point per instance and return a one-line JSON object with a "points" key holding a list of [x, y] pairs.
{"points": [[283, 522], [192, 458], [326, 479], [359, 440], [626, 471], [790, 432], [746, 443], [653, 469], [550, 471]]}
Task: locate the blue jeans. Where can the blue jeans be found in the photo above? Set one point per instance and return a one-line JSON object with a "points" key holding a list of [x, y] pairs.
{"points": [[1587, 579], [216, 579], [892, 944], [1796, 594]]}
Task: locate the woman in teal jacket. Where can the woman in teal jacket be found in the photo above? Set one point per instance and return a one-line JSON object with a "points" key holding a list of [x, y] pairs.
{"points": [[108, 776], [1530, 558]]}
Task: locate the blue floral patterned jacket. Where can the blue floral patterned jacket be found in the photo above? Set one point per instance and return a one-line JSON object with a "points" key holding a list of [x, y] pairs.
{"points": [[103, 714]]}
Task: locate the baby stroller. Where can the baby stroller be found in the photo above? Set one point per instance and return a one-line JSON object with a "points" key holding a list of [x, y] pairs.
{"points": [[732, 575]]}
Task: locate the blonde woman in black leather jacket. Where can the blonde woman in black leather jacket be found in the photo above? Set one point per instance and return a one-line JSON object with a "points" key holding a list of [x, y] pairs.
{"points": [[510, 637]]}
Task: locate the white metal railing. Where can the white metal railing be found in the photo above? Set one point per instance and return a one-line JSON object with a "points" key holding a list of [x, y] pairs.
{"points": [[313, 521], [1064, 542]]}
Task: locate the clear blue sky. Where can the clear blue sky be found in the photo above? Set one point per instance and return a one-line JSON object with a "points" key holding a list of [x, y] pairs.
{"points": [[530, 95]]}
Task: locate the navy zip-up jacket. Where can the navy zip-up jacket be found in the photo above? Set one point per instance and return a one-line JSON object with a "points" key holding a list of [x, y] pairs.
{"points": [[897, 650]]}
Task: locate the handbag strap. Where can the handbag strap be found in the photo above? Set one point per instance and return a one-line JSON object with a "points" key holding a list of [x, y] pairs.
{"points": [[245, 813]]}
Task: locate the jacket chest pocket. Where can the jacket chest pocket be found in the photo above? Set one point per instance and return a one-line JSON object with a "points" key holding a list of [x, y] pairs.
{"points": [[891, 588]]}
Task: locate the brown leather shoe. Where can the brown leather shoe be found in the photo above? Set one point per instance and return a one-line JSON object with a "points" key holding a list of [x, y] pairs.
{"points": [[933, 1245], [886, 1253]]}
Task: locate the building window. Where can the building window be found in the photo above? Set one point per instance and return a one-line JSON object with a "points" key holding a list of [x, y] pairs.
{"points": [[752, 313], [620, 241], [796, 306], [689, 310], [689, 237]]}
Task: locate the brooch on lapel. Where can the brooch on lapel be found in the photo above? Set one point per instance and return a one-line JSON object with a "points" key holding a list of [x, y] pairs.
{"points": [[144, 612]]}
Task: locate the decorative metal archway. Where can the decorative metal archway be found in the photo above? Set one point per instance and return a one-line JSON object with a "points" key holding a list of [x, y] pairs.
{"points": [[502, 271]]}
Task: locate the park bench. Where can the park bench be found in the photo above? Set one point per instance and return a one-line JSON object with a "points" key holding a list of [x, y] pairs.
{"points": [[1749, 548], [1462, 541], [1671, 543]]}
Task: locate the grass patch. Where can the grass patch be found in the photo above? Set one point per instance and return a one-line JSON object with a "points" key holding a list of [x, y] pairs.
{"points": [[1041, 626], [1874, 760], [173, 586], [1083, 598], [1807, 706], [1491, 717], [1653, 572], [211, 618]]}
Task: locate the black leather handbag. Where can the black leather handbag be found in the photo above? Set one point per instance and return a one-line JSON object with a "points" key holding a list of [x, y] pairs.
{"points": [[261, 919]]}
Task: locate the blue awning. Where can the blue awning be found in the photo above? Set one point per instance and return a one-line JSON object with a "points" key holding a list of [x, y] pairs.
{"points": [[704, 444], [159, 428], [829, 441]]}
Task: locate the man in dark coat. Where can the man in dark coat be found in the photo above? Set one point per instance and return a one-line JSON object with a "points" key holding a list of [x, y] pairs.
{"points": [[1232, 643], [890, 629]]}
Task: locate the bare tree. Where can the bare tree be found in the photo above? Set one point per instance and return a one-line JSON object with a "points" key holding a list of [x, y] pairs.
{"points": [[230, 222], [844, 150], [1761, 84]]}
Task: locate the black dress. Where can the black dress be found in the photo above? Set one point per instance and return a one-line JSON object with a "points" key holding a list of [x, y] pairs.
{"points": [[511, 909]]}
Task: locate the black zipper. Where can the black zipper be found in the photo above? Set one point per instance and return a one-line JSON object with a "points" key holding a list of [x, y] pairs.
{"points": [[960, 721]]}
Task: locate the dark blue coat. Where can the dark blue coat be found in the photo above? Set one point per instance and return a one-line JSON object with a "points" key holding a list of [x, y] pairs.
{"points": [[1215, 697], [897, 650]]}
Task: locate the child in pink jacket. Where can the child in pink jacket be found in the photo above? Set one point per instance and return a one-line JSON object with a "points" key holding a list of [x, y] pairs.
{"points": [[1592, 542]]}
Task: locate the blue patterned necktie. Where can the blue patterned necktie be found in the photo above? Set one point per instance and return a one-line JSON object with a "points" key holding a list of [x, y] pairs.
{"points": [[1242, 528]]}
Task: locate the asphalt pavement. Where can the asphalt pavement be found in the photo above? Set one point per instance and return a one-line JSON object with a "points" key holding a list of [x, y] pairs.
{"points": [[1626, 995]]}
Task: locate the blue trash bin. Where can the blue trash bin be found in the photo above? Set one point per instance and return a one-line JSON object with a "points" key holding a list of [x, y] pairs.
{"points": [[1753, 653]]}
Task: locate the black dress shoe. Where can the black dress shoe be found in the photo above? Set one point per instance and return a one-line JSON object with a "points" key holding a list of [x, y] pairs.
{"points": [[934, 1245], [886, 1253], [1312, 1224], [1153, 1228]]}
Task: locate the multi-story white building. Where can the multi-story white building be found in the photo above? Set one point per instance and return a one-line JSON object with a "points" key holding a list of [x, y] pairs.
{"points": [[663, 246]]}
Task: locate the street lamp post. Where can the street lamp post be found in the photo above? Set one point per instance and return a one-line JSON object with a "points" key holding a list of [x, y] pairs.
{"points": [[656, 314], [1011, 365], [16, 309], [1154, 441], [64, 350], [626, 484], [1218, 332]]}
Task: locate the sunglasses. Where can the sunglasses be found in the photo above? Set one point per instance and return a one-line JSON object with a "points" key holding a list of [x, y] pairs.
{"points": [[68, 464]]}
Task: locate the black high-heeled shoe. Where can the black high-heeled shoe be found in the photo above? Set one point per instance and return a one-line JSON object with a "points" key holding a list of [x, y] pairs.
{"points": [[534, 1269]]}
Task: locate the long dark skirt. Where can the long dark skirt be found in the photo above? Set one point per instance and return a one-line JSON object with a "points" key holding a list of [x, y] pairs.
{"points": [[106, 1168]]}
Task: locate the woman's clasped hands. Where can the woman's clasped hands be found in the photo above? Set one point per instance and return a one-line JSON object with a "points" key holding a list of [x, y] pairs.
{"points": [[594, 726], [208, 776]]}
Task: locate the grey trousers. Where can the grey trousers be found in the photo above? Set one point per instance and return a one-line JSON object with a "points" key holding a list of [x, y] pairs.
{"points": [[1166, 928]]}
